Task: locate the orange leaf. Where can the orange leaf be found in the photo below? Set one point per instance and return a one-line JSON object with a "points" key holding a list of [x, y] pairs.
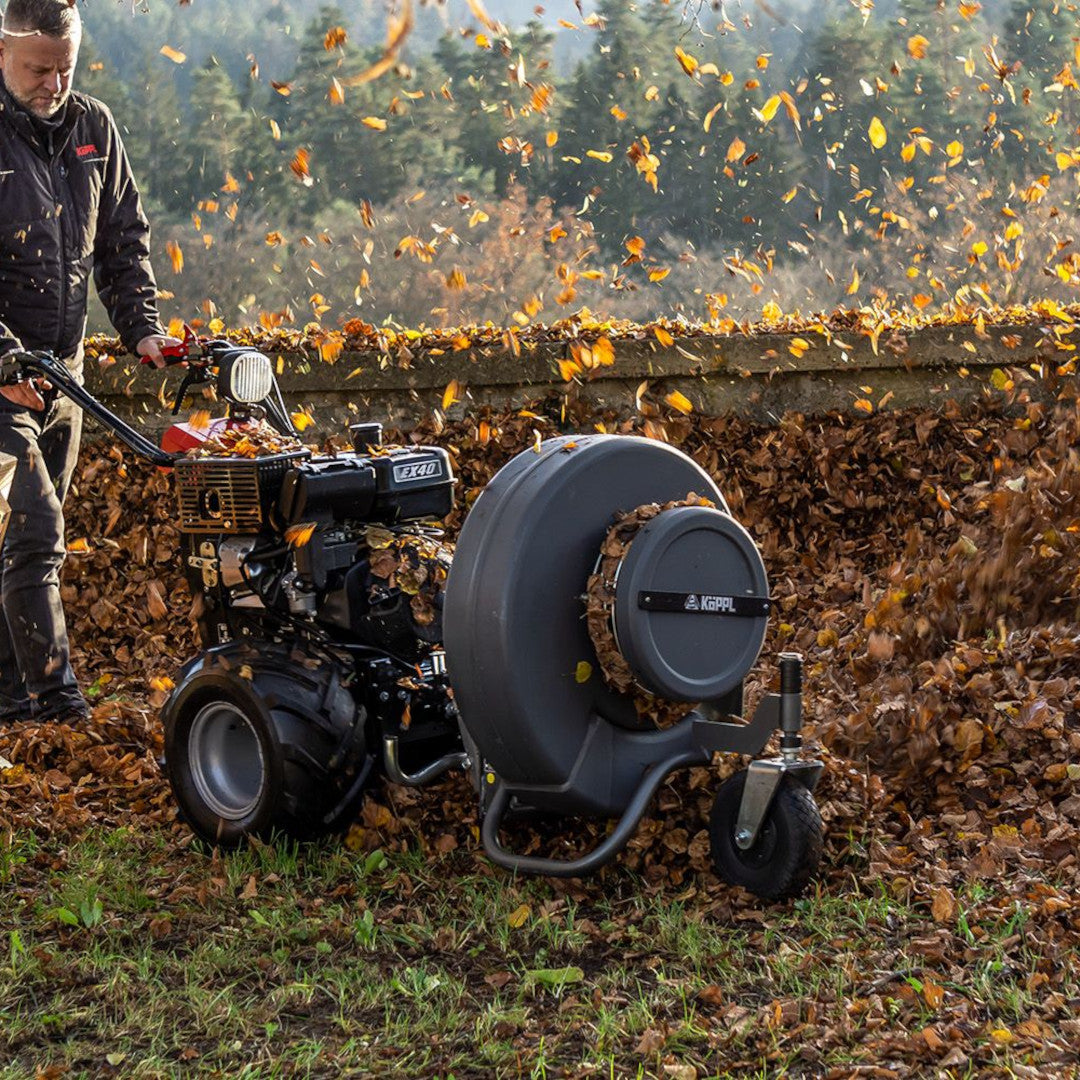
{"points": [[174, 55], [176, 255], [679, 401]]}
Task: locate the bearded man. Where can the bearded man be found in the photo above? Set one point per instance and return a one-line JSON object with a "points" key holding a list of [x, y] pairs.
{"points": [[69, 209]]}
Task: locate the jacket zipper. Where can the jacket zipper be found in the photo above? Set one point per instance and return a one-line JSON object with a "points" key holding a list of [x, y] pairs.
{"points": [[63, 209]]}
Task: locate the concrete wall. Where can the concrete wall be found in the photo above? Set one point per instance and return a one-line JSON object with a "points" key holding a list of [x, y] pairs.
{"points": [[755, 374]]}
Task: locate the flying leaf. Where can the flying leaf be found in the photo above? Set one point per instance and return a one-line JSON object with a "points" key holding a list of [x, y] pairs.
{"points": [[176, 255], [335, 37], [376, 123], [679, 402], [688, 63], [736, 149], [174, 55], [397, 30], [916, 47], [878, 135], [300, 166], [583, 671], [710, 114], [452, 394], [297, 536], [768, 110]]}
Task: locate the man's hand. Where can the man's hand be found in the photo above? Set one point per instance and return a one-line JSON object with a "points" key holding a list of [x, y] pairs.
{"points": [[26, 394], [151, 346]]}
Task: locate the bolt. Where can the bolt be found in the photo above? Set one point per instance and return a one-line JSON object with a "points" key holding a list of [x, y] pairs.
{"points": [[743, 838], [384, 696]]}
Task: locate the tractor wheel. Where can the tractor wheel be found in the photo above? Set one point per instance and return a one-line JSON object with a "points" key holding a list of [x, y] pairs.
{"points": [[787, 850], [278, 748]]}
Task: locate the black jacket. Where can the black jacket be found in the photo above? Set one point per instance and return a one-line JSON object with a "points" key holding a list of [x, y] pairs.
{"points": [[62, 216]]}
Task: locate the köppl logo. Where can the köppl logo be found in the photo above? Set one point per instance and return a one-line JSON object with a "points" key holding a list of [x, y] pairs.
{"points": [[710, 603]]}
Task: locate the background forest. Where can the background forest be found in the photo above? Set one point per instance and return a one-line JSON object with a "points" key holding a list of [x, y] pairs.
{"points": [[642, 159]]}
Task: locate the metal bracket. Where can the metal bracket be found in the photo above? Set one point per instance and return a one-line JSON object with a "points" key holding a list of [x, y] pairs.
{"points": [[392, 765], [207, 562], [762, 781]]}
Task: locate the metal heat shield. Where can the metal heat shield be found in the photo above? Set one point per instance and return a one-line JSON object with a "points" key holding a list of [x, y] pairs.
{"points": [[7, 473]]}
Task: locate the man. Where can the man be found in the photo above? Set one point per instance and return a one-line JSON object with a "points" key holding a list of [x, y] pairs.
{"points": [[68, 207]]}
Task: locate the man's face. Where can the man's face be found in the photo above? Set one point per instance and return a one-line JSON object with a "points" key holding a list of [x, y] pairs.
{"points": [[38, 70]]}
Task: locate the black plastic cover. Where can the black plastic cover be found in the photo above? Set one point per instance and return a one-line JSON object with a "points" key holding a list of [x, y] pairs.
{"points": [[412, 485], [340, 488], [514, 626], [691, 604]]}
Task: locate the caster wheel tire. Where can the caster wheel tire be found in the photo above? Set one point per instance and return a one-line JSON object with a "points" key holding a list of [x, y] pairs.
{"points": [[787, 851], [263, 755]]}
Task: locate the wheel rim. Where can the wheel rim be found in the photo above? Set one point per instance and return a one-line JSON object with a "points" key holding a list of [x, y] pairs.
{"points": [[226, 757], [764, 847]]}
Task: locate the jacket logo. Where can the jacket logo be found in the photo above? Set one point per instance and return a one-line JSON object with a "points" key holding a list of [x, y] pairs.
{"points": [[84, 151]]}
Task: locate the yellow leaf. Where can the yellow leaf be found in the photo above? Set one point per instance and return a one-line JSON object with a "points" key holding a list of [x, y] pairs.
{"points": [[864, 406], [736, 149], [600, 155], [688, 63], [878, 135], [916, 46], [519, 916], [635, 245], [172, 54], [768, 110], [302, 420], [583, 671], [451, 394], [176, 255], [853, 288], [478, 218], [79, 547], [663, 336], [908, 152], [711, 113], [551, 138], [659, 273], [791, 194], [337, 92], [376, 123], [679, 402]]}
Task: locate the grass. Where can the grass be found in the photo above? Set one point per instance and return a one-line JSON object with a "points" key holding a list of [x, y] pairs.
{"points": [[123, 955]]}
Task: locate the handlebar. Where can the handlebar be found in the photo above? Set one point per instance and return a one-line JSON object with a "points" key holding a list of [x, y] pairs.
{"points": [[19, 366]]}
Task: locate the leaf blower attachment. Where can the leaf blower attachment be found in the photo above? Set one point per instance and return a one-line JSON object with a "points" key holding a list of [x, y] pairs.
{"points": [[599, 567]]}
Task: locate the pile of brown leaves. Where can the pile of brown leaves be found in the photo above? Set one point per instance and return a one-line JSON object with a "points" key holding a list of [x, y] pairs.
{"points": [[924, 563]]}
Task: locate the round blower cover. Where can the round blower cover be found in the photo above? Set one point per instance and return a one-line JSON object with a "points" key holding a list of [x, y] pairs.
{"points": [[691, 604], [514, 621]]}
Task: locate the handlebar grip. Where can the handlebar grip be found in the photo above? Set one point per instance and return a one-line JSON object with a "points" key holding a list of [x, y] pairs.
{"points": [[172, 354]]}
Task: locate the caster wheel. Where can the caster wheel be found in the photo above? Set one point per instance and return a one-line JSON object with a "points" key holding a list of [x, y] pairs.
{"points": [[787, 850]]}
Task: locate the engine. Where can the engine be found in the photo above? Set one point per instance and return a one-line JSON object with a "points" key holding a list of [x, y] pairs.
{"points": [[333, 554]]}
